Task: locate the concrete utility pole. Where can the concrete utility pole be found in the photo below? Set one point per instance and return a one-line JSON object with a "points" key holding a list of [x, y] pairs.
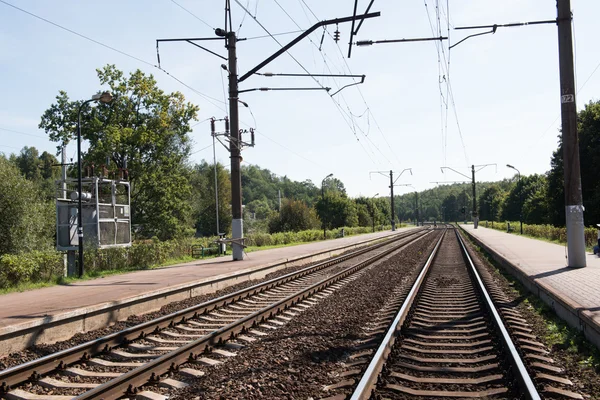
{"points": [[392, 184], [392, 199], [570, 140], [214, 134], [235, 139], [472, 178], [237, 223], [417, 208], [475, 218]]}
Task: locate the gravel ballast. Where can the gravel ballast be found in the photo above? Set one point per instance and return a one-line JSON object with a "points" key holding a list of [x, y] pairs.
{"points": [[296, 360]]}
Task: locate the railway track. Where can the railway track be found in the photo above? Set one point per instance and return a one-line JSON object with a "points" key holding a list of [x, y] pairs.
{"points": [[119, 365], [451, 338]]}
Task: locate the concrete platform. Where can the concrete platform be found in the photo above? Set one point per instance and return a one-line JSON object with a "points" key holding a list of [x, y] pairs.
{"points": [[56, 313], [574, 293]]}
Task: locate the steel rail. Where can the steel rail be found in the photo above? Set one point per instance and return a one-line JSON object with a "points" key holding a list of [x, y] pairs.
{"points": [[128, 383], [33, 369], [527, 385], [369, 379]]}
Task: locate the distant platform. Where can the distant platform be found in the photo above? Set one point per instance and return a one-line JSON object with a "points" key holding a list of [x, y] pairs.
{"points": [[574, 293], [48, 315]]}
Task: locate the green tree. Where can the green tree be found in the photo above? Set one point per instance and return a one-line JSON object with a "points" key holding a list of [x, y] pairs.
{"points": [[531, 199], [335, 211], [148, 128], [40, 169], [588, 127], [294, 216], [203, 199], [26, 221], [335, 185], [490, 203]]}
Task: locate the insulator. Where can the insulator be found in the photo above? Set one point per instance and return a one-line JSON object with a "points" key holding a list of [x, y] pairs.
{"points": [[226, 124], [212, 126], [252, 136]]}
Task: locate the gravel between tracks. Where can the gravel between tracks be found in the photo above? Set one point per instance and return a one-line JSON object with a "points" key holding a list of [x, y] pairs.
{"points": [[585, 378], [294, 361]]}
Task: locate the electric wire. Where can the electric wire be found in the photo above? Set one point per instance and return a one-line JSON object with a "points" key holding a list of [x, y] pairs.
{"points": [[297, 62], [349, 71], [203, 95], [23, 133], [208, 98], [445, 69], [350, 121], [193, 15]]}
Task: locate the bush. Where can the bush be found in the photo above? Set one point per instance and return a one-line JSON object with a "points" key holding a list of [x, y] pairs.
{"points": [[46, 266], [548, 232]]}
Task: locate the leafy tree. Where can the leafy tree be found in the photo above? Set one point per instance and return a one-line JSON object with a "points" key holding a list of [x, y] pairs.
{"points": [[203, 199], [26, 221], [534, 207], [335, 185], [490, 203], [148, 128], [40, 169], [294, 216], [589, 153], [335, 211]]}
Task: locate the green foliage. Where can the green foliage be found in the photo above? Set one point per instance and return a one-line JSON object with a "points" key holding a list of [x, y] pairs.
{"points": [[294, 216], [263, 185], [34, 266], [149, 128], [588, 128], [26, 221], [40, 169], [544, 231], [203, 199], [335, 211]]}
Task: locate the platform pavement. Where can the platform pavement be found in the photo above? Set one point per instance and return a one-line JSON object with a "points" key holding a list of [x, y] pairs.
{"points": [[37, 309], [573, 292]]}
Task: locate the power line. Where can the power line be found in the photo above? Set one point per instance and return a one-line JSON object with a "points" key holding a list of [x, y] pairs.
{"points": [[205, 96], [357, 87], [23, 133], [274, 34], [350, 120], [445, 69], [193, 15]]}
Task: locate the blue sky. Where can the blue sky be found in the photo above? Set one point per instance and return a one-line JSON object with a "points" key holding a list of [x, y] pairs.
{"points": [[505, 86]]}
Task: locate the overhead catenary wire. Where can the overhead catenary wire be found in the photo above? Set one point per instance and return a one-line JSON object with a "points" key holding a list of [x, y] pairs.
{"points": [[349, 71], [349, 118], [297, 62], [445, 69], [193, 15]]}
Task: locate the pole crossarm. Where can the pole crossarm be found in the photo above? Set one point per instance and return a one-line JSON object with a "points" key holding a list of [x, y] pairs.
{"points": [[509, 25], [270, 74], [190, 41], [485, 165], [427, 39], [302, 36], [495, 27], [452, 169], [400, 174], [267, 89]]}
